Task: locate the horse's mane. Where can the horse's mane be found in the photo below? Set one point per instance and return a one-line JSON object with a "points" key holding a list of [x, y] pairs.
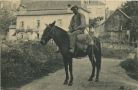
{"points": [[62, 30], [62, 36]]}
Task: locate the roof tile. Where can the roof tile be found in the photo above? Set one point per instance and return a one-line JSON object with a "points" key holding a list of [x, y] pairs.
{"points": [[37, 5]]}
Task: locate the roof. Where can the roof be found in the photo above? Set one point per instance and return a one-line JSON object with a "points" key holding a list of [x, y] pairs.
{"points": [[41, 5], [124, 13], [120, 12], [35, 7], [96, 3], [43, 12]]}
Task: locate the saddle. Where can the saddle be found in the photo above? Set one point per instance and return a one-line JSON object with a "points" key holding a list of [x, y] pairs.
{"points": [[83, 41]]}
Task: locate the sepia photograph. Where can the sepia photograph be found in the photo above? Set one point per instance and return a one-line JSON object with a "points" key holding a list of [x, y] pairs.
{"points": [[69, 44]]}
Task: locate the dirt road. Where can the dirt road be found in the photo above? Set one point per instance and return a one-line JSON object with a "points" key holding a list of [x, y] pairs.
{"points": [[112, 77]]}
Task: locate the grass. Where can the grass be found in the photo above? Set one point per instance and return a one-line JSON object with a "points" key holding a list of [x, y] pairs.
{"points": [[131, 67], [23, 62]]}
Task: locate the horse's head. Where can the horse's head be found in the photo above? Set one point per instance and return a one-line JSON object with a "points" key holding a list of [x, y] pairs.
{"points": [[48, 33]]}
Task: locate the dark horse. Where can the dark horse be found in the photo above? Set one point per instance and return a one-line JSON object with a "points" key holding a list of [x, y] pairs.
{"points": [[61, 38]]}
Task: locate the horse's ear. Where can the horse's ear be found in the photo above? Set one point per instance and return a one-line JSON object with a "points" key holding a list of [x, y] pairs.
{"points": [[52, 24]]}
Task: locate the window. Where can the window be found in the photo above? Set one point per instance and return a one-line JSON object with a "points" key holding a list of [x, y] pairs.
{"points": [[89, 2], [38, 23], [22, 24]]}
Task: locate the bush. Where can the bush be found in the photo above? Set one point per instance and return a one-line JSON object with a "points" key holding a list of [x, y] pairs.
{"points": [[24, 62], [115, 53], [131, 67]]}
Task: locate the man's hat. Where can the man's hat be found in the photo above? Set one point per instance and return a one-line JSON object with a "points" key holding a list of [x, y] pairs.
{"points": [[74, 7]]}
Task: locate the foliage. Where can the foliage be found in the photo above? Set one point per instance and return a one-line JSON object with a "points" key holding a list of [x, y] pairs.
{"points": [[130, 6], [114, 53], [131, 67], [24, 62], [94, 22], [6, 17], [131, 9]]}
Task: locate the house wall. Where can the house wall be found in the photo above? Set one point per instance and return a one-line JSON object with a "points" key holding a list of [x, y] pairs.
{"points": [[9, 4], [86, 14], [115, 22], [5, 4], [99, 30], [63, 21], [118, 36], [97, 11], [31, 21], [114, 25]]}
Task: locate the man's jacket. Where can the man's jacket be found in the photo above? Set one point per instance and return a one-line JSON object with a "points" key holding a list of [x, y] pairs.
{"points": [[78, 22]]}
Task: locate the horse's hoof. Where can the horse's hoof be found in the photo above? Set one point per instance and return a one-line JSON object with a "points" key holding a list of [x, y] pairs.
{"points": [[96, 80], [90, 79], [65, 83], [70, 84]]}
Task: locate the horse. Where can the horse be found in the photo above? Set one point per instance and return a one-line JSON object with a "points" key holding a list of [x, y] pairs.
{"points": [[61, 38]]}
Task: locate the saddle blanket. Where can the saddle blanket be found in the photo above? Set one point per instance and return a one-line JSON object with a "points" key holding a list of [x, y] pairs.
{"points": [[83, 40]]}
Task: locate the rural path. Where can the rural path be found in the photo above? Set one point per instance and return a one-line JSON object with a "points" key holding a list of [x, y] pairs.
{"points": [[112, 77]]}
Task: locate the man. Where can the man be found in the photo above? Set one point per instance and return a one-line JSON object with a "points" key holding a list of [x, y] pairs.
{"points": [[77, 26]]}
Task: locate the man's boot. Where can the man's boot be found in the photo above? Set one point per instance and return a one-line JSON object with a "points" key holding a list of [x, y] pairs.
{"points": [[71, 50]]}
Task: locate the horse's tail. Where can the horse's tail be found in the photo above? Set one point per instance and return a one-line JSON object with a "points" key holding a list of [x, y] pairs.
{"points": [[100, 54]]}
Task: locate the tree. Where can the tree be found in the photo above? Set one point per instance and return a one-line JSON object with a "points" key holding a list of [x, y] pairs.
{"points": [[94, 22], [130, 8], [6, 18]]}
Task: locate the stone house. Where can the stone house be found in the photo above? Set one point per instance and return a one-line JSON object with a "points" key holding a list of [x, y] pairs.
{"points": [[34, 15], [115, 26]]}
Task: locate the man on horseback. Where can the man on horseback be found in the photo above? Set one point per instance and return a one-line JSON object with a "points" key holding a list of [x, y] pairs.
{"points": [[77, 26], [61, 39]]}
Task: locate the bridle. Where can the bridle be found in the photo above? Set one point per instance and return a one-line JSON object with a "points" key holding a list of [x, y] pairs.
{"points": [[52, 32]]}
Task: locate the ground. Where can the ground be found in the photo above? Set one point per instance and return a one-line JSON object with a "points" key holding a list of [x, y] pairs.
{"points": [[112, 77]]}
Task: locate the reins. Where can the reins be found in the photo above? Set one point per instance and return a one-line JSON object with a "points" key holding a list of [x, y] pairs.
{"points": [[91, 38]]}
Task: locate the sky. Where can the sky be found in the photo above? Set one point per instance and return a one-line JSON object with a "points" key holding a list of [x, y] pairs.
{"points": [[113, 4]]}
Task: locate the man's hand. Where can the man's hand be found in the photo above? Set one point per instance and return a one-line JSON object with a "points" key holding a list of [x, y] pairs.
{"points": [[77, 28], [42, 42]]}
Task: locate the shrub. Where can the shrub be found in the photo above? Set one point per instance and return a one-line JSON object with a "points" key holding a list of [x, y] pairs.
{"points": [[115, 53], [131, 67], [24, 62]]}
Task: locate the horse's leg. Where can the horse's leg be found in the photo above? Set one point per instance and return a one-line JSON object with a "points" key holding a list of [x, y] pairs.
{"points": [[93, 67], [71, 74], [66, 71], [98, 66]]}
